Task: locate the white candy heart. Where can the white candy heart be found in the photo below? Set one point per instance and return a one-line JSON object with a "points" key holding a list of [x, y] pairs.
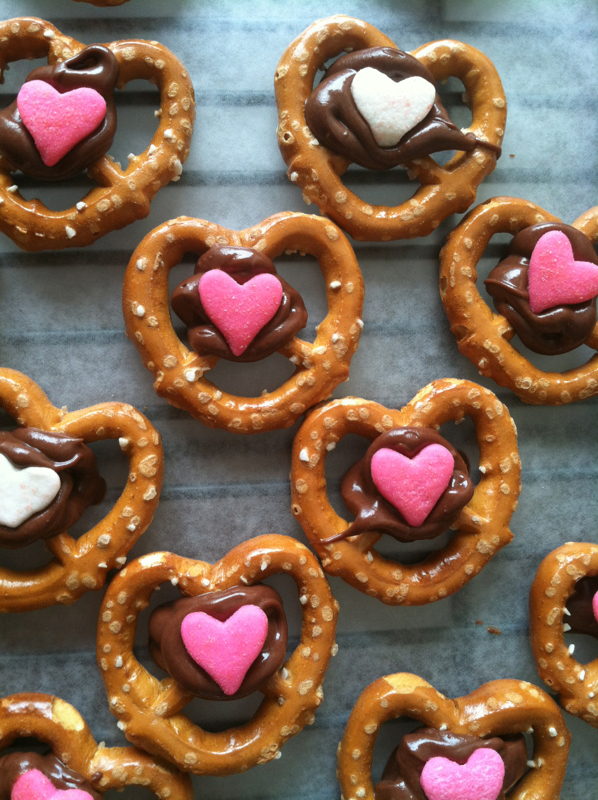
{"points": [[391, 109], [24, 492]]}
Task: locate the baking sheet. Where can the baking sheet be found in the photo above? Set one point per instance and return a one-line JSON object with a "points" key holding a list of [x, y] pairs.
{"points": [[61, 324]]}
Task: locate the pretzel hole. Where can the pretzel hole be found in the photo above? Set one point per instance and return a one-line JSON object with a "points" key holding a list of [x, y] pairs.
{"points": [[585, 644], [303, 273], [27, 744], [136, 120], [454, 99], [494, 253], [390, 187]]}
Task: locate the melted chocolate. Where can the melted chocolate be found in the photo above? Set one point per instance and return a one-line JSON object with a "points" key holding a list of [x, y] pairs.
{"points": [[13, 765], [336, 122], [374, 513], [242, 264], [95, 67], [168, 649], [80, 481], [401, 779], [556, 330], [582, 619]]}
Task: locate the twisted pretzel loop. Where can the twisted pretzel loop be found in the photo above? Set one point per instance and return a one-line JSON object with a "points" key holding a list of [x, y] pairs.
{"points": [[485, 337], [444, 189], [497, 708], [149, 710], [82, 564], [121, 196], [58, 724], [482, 528], [555, 580], [179, 372]]}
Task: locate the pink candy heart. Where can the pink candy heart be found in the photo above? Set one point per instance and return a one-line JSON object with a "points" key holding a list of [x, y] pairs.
{"points": [[595, 606], [239, 311], [554, 277], [413, 485], [34, 785], [481, 778], [58, 121], [227, 649]]}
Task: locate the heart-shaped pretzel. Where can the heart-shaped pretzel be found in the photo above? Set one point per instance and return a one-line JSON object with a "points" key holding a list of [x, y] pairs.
{"points": [[484, 336], [82, 564], [149, 710], [179, 372], [496, 708], [121, 196], [317, 170], [557, 575], [58, 724], [482, 528]]}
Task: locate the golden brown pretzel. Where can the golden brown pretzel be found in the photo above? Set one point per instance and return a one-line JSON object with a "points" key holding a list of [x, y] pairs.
{"points": [[443, 191], [554, 583], [58, 724], [496, 708], [483, 336], [149, 710], [482, 527], [82, 564], [179, 372], [121, 196]]}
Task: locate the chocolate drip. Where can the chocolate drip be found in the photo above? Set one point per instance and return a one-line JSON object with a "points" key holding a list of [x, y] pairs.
{"points": [[242, 264], [556, 330], [336, 122], [13, 765], [168, 649], [582, 619], [374, 513], [80, 481], [401, 779], [95, 67]]}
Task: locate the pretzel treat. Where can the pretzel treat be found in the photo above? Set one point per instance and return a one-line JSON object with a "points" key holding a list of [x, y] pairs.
{"points": [[149, 710], [485, 337], [76, 761], [481, 520], [346, 119], [53, 133], [503, 708], [179, 372], [48, 477], [562, 598]]}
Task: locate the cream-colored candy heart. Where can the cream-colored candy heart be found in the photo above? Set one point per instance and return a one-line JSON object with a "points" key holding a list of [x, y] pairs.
{"points": [[391, 109], [24, 492]]}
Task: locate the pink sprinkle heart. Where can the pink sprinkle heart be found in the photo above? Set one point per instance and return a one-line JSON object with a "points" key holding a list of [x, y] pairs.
{"points": [[239, 310], [481, 778], [58, 121], [226, 649], [34, 785], [554, 277], [595, 606], [413, 485]]}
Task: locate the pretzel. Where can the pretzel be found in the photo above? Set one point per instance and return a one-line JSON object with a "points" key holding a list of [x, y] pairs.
{"points": [[482, 528], [82, 564], [121, 196], [149, 709], [179, 372], [58, 724], [554, 583], [496, 708], [444, 190], [485, 337]]}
